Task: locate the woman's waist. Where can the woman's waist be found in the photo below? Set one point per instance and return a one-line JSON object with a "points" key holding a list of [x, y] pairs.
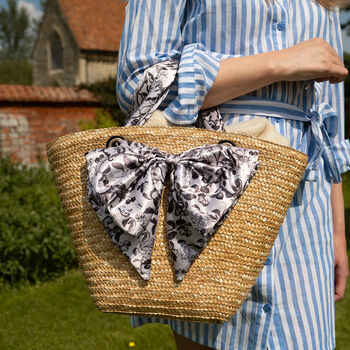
{"points": [[274, 100], [254, 105], [320, 133]]}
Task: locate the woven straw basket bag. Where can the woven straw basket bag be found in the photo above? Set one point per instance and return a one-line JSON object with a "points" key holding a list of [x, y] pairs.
{"points": [[223, 274]]}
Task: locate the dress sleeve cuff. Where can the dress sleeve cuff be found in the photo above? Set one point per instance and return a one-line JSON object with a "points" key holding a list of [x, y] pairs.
{"points": [[341, 151], [197, 72]]}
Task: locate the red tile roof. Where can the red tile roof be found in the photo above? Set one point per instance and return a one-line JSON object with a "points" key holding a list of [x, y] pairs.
{"points": [[96, 24], [22, 93]]}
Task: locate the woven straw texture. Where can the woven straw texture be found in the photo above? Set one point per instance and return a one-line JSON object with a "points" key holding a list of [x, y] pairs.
{"points": [[224, 272]]}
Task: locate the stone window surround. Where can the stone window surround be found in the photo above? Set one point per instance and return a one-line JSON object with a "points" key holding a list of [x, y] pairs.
{"points": [[54, 28]]}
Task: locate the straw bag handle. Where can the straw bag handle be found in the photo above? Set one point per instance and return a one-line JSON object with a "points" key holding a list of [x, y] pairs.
{"points": [[111, 142], [227, 141], [152, 90]]}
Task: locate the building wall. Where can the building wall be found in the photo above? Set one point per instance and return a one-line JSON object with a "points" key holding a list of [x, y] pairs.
{"points": [[15, 137], [79, 66], [42, 72], [96, 68], [26, 129]]}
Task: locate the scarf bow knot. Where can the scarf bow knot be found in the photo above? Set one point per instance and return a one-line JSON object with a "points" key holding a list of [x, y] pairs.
{"points": [[125, 184]]}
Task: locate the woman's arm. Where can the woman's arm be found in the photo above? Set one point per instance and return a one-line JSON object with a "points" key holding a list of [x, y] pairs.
{"points": [[310, 59], [152, 33], [341, 267]]}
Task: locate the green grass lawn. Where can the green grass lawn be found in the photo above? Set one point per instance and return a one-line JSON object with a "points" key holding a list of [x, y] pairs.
{"points": [[60, 315], [342, 314], [346, 189]]}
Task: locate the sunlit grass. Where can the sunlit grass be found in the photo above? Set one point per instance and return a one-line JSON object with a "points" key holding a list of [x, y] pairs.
{"points": [[60, 315]]}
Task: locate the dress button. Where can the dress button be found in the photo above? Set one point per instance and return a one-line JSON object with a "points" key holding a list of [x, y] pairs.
{"points": [[281, 26], [267, 308], [268, 261]]}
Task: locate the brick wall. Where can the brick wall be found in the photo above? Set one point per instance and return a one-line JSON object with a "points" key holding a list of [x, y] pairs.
{"points": [[15, 137], [32, 116]]}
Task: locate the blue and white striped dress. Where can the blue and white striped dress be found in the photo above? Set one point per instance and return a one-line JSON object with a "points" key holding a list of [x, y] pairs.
{"points": [[291, 305]]}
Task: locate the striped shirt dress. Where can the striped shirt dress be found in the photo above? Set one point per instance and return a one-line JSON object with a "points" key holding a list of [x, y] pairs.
{"points": [[291, 306]]}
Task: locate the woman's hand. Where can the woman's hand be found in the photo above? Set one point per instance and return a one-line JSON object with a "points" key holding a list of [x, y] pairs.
{"points": [[341, 267], [310, 59]]}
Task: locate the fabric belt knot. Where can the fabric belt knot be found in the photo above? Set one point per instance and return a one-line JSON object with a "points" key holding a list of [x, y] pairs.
{"points": [[315, 117], [320, 118], [321, 144]]}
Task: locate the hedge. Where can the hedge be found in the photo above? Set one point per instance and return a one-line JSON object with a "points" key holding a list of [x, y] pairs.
{"points": [[34, 239]]}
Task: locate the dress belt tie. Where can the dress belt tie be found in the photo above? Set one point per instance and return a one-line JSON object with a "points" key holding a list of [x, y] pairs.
{"points": [[320, 118]]}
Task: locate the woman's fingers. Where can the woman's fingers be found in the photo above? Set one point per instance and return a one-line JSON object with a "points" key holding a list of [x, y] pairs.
{"points": [[333, 52], [340, 278], [327, 47], [320, 80], [341, 264], [332, 80], [312, 59], [337, 72], [332, 63]]}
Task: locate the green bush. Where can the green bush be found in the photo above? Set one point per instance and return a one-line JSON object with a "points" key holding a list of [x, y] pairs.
{"points": [[16, 72], [34, 239], [103, 119], [346, 189], [106, 93], [346, 192]]}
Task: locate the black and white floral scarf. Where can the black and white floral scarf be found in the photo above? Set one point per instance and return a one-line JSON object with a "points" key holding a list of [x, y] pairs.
{"points": [[152, 90], [125, 182]]}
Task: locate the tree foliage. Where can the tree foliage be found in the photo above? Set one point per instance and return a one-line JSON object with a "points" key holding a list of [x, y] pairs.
{"points": [[37, 22], [346, 25], [16, 72], [15, 39], [106, 92], [103, 119]]}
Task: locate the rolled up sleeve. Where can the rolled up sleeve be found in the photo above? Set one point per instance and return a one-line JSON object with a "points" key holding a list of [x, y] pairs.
{"points": [[197, 72], [152, 34], [341, 150]]}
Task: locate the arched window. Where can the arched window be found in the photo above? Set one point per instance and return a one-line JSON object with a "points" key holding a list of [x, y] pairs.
{"points": [[56, 52]]}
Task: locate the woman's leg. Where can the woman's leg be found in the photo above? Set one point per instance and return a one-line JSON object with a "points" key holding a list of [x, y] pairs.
{"points": [[184, 343]]}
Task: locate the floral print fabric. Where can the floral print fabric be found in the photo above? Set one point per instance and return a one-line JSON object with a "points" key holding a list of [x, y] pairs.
{"points": [[152, 90], [125, 184]]}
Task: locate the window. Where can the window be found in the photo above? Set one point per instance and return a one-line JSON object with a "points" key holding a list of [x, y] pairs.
{"points": [[56, 52]]}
